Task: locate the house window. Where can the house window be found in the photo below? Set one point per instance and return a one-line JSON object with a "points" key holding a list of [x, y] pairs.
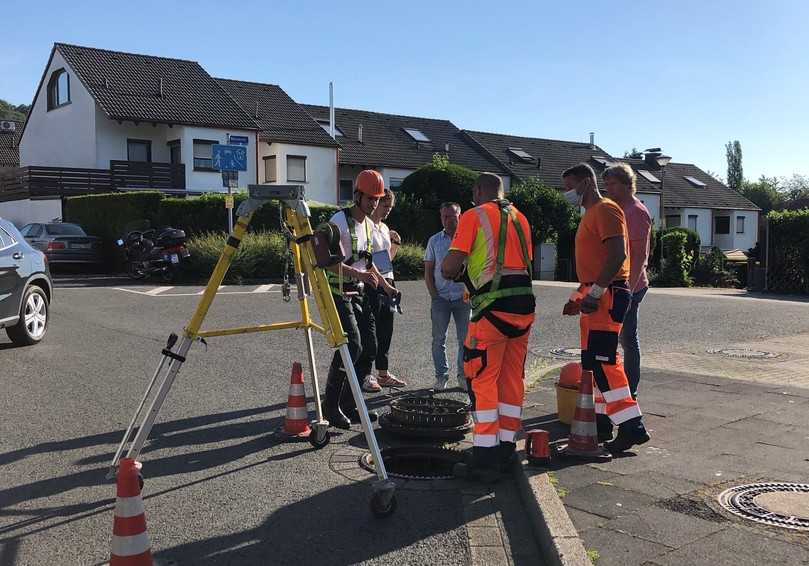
{"points": [[692, 222], [673, 221], [203, 155], [139, 150], [346, 190], [270, 171], [296, 168], [58, 89], [175, 156], [417, 135], [395, 183], [740, 224], [722, 225]]}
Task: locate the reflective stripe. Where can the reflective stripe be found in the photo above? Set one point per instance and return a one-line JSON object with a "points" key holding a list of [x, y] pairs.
{"points": [[128, 507], [485, 416], [490, 267], [296, 389], [585, 401], [509, 410], [617, 394], [601, 408], [129, 546], [486, 440], [297, 413], [602, 358], [507, 435], [625, 414]]}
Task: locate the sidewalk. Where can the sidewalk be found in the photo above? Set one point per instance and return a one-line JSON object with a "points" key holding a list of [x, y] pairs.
{"points": [[657, 506]]}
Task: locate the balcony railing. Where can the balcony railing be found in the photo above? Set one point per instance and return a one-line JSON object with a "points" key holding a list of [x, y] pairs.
{"points": [[36, 181]]}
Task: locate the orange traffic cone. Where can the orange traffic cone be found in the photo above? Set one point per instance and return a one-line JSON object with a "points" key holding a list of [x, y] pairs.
{"points": [[296, 423], [130, 542], [583, 440]]}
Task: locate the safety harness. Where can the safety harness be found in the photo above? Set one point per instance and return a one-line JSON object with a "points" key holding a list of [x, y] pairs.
{"points": [[482, 301], [336, 279]]}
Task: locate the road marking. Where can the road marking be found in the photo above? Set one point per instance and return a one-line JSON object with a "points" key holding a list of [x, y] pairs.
{"points": [[127, 290], [158, 290], [263, 288]]}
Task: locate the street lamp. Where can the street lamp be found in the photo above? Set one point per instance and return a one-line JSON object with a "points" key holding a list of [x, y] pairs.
{"points": [[655, 155]]}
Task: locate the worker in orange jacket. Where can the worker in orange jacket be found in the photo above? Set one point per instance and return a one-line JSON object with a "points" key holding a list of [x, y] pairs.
{"points": [[491, 252], [603, 300]]}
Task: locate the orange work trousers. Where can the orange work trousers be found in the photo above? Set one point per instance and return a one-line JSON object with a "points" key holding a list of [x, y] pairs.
{"points": [[599, 353], [494, 365]]}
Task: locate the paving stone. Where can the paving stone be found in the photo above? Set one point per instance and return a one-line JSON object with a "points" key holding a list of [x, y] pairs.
{"points": [[619, 549], [487, 556], [655, 484], [581, 475], [735, 546], [607, 501], [484, 536], [664, 526], [583, 520]]}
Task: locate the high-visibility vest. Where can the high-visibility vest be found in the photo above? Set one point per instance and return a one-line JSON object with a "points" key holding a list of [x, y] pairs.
{"points": [[482, 300], [336, 279]]}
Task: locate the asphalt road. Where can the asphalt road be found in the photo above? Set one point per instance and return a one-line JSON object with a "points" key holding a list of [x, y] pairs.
{"points": [[221, 489]]}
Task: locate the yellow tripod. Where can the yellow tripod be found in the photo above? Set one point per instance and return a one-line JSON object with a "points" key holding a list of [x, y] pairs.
{"points": [[309, 278]]}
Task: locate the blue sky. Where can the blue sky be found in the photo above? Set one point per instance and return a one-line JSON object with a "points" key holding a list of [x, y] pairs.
{"points": [[686, 76]]}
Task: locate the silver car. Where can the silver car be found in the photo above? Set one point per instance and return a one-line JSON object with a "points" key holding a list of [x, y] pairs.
{"points": [[63, 242]]}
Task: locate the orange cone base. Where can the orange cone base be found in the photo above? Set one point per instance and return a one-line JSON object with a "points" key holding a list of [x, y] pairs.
{"points": [[598, 454], [293, 430], [143, 559]]}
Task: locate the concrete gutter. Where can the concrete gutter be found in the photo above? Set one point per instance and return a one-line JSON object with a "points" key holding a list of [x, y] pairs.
{"points": [[553, 529]]}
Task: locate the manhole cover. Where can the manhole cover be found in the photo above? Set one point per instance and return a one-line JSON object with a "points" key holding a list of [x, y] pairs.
{"points": [[428, 417], [567, 353], [416, 462], [744, 353], [777, 504]]}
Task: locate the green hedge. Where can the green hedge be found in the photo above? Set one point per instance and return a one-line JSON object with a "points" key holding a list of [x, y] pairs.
{"points": [[677, 260], [788, 269]]}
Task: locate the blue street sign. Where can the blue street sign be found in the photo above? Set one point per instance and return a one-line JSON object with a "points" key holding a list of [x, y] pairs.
{"points": [[238, 140], [230, 157]]}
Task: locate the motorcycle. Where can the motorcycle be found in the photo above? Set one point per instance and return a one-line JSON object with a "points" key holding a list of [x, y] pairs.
{"points": [[154, 251]]}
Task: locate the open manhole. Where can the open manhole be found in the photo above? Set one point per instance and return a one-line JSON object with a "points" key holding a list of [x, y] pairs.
{"points": [[743, 353], [416, 462], [437, 418], [776, 504], [567, 353]]}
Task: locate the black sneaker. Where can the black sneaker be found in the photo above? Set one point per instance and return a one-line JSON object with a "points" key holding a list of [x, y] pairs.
{"points": [[604, 428], [627, 439]]}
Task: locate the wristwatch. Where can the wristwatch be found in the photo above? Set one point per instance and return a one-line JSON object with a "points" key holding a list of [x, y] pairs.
{"points": [[596, 291]]}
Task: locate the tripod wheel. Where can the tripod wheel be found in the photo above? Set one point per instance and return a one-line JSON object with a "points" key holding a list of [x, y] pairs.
{"points": [[383, 503], [319, 437]]}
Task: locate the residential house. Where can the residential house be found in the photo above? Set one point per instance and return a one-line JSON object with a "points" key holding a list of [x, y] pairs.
{"points": [[396, 145], [292, 147]]}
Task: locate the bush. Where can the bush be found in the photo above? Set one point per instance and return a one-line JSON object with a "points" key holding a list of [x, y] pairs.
{"points": [[709, 269], [413, 223], [677, 260], [548, 213], [439, 182], [259, 256], [788, 269], [409, 262], [692, 244]]}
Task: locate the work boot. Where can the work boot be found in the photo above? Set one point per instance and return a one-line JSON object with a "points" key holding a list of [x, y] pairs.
{"points": [[331, 405], [604, 428], [631, 433], [349, 407], [508, 454]]}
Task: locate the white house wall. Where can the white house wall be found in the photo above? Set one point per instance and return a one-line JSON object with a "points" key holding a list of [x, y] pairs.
{"points": [[652, 202], [209, 180], [704, 224], [65, 136], [321, 168], [111, 139], [749, 238], [25, 211]]}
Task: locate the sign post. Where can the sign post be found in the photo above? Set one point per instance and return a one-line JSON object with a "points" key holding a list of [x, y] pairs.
{"points": [[230, 159]]}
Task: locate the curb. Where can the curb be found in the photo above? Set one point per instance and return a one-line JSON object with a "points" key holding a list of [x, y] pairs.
{"points": [[557, 537]]}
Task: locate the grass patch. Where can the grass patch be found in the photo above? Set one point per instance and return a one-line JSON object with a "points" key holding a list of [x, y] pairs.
{"points": [[593, 555], [554, 479]]}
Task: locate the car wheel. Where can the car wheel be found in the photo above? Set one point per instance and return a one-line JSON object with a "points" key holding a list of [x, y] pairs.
{"points": [[34, 316]]}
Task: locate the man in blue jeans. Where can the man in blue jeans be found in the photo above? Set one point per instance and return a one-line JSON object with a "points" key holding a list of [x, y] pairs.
{"points": [[448, 298]]}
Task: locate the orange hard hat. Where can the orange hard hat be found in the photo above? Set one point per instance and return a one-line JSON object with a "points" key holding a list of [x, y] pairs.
{"points": [[570, 376], [371, 183]]}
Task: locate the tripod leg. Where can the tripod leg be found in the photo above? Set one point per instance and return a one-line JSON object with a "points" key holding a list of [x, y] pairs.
{"points": [[313, 369], [157, 402]]}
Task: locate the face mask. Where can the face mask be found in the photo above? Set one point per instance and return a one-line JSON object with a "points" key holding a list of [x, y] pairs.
{"points": [[573, 197]]}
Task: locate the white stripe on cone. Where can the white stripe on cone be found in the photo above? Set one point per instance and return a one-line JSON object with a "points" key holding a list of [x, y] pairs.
{"points": [[581, 428], [585, 402], [129, 507], [129, 546], [297, 413], [296, 389]]}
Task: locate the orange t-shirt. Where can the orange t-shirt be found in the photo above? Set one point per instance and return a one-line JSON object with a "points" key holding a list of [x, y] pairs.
{"points": [[601, 222]]}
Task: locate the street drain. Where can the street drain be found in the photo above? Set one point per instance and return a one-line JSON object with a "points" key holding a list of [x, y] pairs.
{"points": [[776, 504], [416, 462], [743, 353], [567, 353]]}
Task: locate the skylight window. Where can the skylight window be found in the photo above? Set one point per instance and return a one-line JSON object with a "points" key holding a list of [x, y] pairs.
{"points": [[520, 153], [648, 176], [601, 160], [325, 125], [694, 181], [417, 135]]}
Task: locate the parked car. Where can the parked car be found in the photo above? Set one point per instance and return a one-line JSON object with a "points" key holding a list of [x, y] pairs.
{"points": [[63, 242], [26, 288]]}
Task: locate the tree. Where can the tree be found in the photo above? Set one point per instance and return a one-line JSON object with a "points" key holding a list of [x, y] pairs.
{"points": [[10, 112], [733, 150], [548, 213], [764, 193], [796, 191], [634, 153]]}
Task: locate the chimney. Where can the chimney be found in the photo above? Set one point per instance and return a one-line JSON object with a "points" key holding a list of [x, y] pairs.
{"points": [[592, 140], [359, 133]]}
